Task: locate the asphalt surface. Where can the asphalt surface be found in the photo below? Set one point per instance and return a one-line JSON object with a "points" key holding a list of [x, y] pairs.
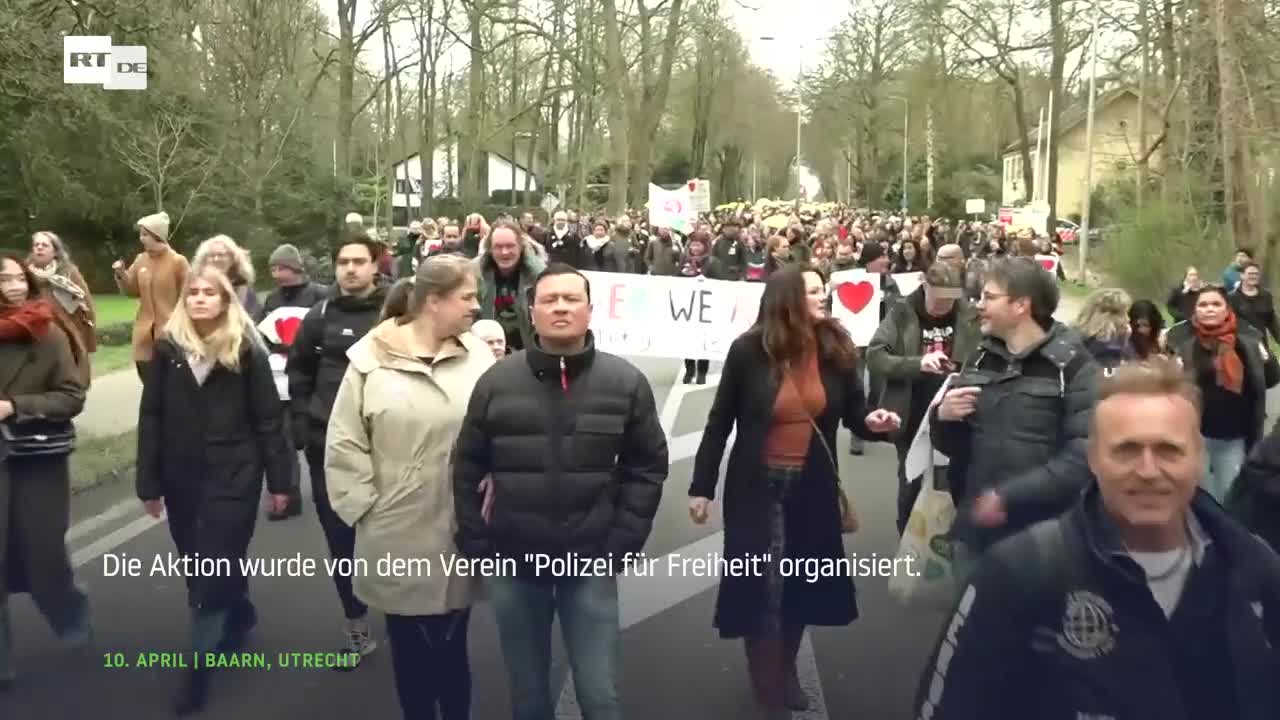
{"points": [[674, 664]]}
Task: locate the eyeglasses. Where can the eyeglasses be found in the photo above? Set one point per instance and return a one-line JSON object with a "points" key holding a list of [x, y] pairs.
{"points": [[991, 297]]}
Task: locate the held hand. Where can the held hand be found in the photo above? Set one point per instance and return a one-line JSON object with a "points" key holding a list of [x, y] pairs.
{"points": [[989, 510], [154, 507], [935, 362], [699, 509], [486, 505], [883, 421], [6, 409], [959, 403], [279, 503], [118, 266]]}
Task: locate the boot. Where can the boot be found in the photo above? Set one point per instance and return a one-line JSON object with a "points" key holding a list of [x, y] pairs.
{"points": [[688, 372], [795, 696], [702, 376], [765, 665], [193, 692], [7, 674], [240, 621]]}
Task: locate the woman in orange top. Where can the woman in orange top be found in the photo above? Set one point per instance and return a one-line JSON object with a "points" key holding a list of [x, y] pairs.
{"points": [[794, 372]]}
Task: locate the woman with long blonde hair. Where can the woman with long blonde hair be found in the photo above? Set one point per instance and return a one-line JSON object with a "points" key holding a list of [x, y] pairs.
{"points": [[210, 424], [234, 261], [1103, 322]]}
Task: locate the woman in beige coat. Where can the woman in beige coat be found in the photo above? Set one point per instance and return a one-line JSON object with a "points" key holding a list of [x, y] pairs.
{"points": [[387, 463]]}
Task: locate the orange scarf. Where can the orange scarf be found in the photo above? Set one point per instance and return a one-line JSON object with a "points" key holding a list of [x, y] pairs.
{"points": [[1221, 341]]}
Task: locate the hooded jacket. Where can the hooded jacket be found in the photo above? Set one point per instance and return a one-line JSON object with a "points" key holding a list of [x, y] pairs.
{"points": [[387, 464], [1027, 438]]}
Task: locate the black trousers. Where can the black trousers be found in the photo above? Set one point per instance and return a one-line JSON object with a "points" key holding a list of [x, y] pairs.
{"points": [[339, 536], [429, 659], [144, 368], [700, 366], [908, 489], [295, 467]]}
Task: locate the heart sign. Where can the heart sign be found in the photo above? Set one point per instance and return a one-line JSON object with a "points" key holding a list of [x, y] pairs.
{"points": [[855, 295], [1048, 264], [287, 329], [673, 206], [693, 186]]}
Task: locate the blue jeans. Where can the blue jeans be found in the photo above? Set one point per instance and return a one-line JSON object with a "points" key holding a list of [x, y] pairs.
{"points": [[1222, 462], [588, 609]]}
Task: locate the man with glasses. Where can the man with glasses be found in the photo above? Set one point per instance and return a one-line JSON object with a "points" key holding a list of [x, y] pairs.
{"points": [[1015, 420], [450, 241]]}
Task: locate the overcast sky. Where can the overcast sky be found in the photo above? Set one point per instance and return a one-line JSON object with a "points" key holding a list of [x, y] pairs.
{"points": [[798, 26]]}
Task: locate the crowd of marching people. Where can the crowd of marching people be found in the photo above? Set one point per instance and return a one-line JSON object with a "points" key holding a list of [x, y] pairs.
{"points": [[1111, 476]]}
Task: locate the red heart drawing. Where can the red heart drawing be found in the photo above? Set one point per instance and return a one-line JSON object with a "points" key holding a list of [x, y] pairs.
{"points": [[693, 185], [1048, 263], [855, 296], [287, 329]]}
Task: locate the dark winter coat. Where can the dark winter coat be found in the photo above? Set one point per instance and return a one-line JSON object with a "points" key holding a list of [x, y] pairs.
{"points": [[203, 448], [1068, 629], [745, 400], [318, 359], [1028, 437], [569, 250], [1259, 365], [574, 471], [40, 378]]}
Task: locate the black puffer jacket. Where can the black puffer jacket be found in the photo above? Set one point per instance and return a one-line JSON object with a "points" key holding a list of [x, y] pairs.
{"points": [[318, 358], [1027, 438], [574, 471]]}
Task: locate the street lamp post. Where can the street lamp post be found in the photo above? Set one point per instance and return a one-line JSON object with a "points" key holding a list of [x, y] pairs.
{"points": [[799, 107], [906, 126], [1083, 240]]}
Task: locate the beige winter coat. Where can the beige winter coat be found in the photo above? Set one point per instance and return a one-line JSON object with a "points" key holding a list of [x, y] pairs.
{"points": [[387, 465]]}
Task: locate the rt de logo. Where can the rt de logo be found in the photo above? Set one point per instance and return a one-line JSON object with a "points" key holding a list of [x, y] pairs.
{"points": [[93, 60]]}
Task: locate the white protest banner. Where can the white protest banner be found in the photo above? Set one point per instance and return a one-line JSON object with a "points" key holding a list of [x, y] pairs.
{"points": [[1048, 262], [670, 317], [908, 282], [700, 194], [855, 302], [280, 328], [671, 209]]}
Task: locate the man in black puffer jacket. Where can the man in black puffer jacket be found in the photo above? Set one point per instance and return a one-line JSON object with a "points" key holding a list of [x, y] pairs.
{"points": [[317, 363], [569, 438]]}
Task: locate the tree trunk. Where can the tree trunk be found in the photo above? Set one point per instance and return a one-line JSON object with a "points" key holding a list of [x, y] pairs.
{"points": [[474, 171], [1144, 43], [1024, 147], [346, 105], [652, 108], [388, 132], [1232, 126], [930, 139], [617, 97]]}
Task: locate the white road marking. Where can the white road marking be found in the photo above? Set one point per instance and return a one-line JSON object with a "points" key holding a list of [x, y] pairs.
{"points": [[110, 515], [113, 540]]}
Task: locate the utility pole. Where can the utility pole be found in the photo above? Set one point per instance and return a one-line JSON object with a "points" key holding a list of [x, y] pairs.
{"points": [[1088, 152]]}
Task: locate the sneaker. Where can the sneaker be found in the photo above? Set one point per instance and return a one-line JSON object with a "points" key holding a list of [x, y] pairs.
{"points": [[359, 643]]}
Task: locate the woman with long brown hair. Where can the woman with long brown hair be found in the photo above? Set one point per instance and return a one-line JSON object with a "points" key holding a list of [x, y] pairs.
{"points": [[787, 384], [1229, 361]]}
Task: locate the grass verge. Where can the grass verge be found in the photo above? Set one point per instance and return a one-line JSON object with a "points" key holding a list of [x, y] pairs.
{"points": [[103, 459], [111, 358], [113, 309]]}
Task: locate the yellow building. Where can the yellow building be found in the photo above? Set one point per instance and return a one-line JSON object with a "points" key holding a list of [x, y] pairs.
{"points": [[1116, 148]]}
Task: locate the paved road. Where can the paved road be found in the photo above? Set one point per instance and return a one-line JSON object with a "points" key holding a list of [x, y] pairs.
{"points": [[674, 664]]}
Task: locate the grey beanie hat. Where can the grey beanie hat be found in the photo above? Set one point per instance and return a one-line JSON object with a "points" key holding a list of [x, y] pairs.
{"points": [[287, 256]]}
